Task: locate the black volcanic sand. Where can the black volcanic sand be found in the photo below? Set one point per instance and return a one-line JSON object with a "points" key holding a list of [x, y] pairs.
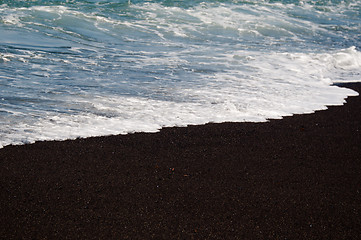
{"points": [[295, 178]]}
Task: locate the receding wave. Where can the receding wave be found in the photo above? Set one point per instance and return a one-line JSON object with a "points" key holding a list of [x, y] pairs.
{"points": [[93, 68]]}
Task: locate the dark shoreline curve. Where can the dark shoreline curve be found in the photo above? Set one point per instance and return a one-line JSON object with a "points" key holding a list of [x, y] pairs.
{"points": [[294, 178]]}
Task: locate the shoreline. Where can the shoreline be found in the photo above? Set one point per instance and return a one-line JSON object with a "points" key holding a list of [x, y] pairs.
{"points": [[295, 178]]}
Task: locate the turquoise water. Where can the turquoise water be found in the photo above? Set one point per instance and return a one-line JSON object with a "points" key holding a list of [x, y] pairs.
{"points": [[73, 69]]}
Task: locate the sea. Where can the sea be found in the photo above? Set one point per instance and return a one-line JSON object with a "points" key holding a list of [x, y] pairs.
{"points": [[73, 69]]}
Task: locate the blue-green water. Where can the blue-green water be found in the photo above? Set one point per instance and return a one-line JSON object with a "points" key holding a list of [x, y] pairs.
{"points": [[85, 68]]}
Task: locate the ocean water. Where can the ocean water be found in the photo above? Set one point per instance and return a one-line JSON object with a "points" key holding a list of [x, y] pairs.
{"points": [[73, 69]]}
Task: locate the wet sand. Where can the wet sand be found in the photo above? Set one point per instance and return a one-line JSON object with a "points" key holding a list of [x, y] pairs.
{"points": [[294, 178]]}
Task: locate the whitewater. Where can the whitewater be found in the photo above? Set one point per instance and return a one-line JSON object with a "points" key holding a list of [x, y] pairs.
{"points": [[71, 69]]}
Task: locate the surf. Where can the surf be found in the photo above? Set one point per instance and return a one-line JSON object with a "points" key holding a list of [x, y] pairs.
{"points": [[95, 68]]}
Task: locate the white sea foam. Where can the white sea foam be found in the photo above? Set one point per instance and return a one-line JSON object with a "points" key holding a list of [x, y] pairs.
{"points": [[219, 103], [5, 57], [10, 16]]}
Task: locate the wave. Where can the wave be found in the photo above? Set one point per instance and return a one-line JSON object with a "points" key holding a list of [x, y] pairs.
{"points": [[107, 67]]}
